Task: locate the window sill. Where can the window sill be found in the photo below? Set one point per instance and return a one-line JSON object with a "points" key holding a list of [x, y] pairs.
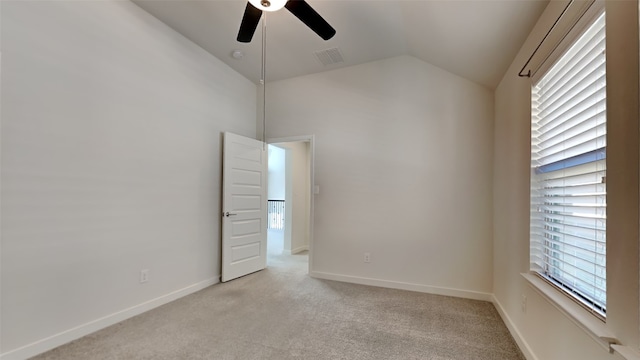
{"points": [[591, 325], [626, 352]]}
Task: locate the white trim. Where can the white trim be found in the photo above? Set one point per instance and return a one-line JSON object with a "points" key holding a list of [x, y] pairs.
{"points": [[77, 332], [296, 250], [311, 139], [0, 211], [585, 12], [437, 290], [626, 352], [289, 139], [586, 321], [517, 336]]}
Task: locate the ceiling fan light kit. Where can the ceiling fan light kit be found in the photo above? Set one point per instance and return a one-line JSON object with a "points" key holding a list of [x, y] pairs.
{"points": [[268, 5], [299, 8]]}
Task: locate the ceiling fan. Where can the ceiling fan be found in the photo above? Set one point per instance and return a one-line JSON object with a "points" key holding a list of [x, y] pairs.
{"points": [[299, 8]]}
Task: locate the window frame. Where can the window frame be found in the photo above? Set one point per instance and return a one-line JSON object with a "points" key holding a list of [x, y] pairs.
{"points": [[591, 15]]}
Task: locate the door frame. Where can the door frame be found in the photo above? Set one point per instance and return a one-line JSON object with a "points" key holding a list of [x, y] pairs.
{"points": [[312, 153]]}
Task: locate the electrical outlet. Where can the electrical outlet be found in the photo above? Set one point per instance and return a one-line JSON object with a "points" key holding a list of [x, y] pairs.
{"points": [[367, 257], [144, 275], [524, 303]]}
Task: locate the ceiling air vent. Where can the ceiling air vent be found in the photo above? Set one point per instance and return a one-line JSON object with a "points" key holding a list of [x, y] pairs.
{"points": [[330, 56]]}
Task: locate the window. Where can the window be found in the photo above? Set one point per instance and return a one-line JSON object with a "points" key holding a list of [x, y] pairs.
{"points": [[568, 177]]}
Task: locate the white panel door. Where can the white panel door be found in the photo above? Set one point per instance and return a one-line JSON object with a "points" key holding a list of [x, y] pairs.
{"points": [[244, 206]]}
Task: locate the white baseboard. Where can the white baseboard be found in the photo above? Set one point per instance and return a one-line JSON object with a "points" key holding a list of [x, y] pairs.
{"points": [[77, 332], [467, 294], [296, 250], [522, 343]]}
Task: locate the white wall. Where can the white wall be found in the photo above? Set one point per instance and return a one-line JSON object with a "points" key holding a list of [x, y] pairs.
{"points": [[297, 205], [111, 160], [276, 182], [403, 158], [546, 333]]}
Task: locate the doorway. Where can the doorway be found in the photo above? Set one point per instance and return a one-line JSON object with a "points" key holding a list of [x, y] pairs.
{"points": [[290, 200]]}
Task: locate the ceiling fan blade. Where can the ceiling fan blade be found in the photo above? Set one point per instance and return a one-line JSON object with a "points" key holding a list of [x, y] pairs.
{"points": [[249, 23], [311, 18]]}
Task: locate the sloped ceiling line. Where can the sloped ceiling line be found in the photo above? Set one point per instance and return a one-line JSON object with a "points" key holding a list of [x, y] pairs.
{"points": [[475, 39]]}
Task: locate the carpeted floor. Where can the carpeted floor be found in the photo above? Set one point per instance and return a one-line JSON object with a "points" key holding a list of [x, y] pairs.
{"points": [[281, 313]]}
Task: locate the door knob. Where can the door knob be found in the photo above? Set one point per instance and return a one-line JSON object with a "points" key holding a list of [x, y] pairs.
{"points": [[227, 214]]}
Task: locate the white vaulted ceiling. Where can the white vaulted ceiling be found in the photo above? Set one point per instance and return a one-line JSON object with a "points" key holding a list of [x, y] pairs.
{"points": [[475, 39]]}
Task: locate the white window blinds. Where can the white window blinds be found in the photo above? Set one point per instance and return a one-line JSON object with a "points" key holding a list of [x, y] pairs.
{"points": [[568, 157]]}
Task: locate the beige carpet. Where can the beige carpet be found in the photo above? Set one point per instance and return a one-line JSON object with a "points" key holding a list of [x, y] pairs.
{"points": [[281, 313]]}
